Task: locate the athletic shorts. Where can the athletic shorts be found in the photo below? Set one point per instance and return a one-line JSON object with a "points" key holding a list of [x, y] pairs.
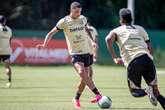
{"points": [[87, 59], [4, 57], [140, 67]]}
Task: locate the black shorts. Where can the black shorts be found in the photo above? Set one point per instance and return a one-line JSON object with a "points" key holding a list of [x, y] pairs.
{"points": [[4, 57], [87, 59], [140, 67]]}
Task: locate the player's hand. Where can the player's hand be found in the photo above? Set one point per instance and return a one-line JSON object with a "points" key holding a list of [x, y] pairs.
{"points": [[118, 61], [94, 58], [94, 44], [40, 46]]}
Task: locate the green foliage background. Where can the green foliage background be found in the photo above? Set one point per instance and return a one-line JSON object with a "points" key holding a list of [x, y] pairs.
{"points": [[43, 14]]}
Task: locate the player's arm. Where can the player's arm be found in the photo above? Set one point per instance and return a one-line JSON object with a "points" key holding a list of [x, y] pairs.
{"points": [[149, 45], [10, 41], [110, 39], [147, 40], [59, 26], [94, 44], [49, 37], [89, 33]]}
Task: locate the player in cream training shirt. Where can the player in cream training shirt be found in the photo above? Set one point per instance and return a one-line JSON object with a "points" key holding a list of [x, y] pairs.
{"points": [[5, 49], [136, 53], [77, 37], [75, 34], [94, 34], [131, 42]]}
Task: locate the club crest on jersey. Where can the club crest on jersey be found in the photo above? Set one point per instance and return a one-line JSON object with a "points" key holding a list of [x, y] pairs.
{"points": [[70, 23], [81, 22]]}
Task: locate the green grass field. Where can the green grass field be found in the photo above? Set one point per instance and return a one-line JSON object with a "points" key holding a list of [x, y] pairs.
{"points": [[52, 88]]}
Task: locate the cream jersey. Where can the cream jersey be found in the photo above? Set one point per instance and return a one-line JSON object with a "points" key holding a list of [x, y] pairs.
{"points": [[75, 33], [132, 42], [5, 35]]}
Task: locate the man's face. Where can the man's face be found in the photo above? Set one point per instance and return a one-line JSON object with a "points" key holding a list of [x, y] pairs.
{"points": [[76, 12]]}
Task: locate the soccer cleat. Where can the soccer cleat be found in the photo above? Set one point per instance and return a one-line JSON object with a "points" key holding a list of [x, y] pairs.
{"points": [[151, 96], [76, 103], [96, 99], [8, 84]]}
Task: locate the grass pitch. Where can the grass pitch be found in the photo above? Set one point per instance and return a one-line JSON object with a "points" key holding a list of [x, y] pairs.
{"points": [[52, 88]]}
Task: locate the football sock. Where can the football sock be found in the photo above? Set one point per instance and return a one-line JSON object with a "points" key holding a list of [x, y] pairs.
{"points": [[161, 100], [77, 95], [9, 79], [138, 92], [95, 91]]}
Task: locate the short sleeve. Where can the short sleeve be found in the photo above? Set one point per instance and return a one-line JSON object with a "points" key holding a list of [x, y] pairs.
{"points": [[85, 20], [10, 31], [146, 38], [95, 31], [111, 32], [60, 24], [114, 31], [144, 34]]}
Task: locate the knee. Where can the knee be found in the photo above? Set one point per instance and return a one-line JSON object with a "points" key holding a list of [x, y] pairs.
{"points": [[82, 73], [8, 70]]}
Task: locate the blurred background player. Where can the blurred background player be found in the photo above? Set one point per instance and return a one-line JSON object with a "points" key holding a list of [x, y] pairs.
{"points": [[93, 55], [77, 37], [5, 47], [94, 34], [136, 52]]}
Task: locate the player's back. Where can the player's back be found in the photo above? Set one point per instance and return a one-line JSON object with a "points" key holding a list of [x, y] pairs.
{"points": [[131, 40], [5, 35]]}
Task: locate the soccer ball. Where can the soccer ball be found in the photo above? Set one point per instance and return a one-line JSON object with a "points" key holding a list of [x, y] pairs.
{"points": [[105, 102]]}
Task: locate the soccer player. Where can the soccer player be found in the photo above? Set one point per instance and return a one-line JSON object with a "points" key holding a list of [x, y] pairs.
{"points": [[93, 53], [77, 37], [94, 34], [5, 49], [136, 54]]}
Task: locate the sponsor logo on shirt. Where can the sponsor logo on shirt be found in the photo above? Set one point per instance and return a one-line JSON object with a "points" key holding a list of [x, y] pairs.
{"points": [[77, 29]]}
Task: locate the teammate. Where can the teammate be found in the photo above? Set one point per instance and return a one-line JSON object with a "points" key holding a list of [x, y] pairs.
{"points": [[136, 53], [77, 37], [5, 49], [94, 34], [93, 53]]}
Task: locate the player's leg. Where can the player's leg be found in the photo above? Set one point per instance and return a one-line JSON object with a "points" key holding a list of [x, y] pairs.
{"points": [[91, 72], [79, 65], [84, 75], [7, 69], [160, 98], [83, 72], [82, 85], [151, 79], [95, 90], [134, 79]]}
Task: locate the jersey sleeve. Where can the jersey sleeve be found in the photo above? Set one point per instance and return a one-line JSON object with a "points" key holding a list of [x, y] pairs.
{"points": [[144, 34], [116, 31], [85, 21], [95, 31], [10, 32], [60, 24]]}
